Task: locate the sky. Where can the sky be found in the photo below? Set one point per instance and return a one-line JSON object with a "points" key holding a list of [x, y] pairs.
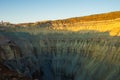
{"points": [[20, 11]]}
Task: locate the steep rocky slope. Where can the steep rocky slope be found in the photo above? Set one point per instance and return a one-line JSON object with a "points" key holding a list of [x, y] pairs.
{"points": [[61, 57], [57, 50]]}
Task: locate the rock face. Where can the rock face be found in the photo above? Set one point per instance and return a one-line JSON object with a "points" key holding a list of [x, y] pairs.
{"points": [[8, 49], [6, 73], [60, 59]]}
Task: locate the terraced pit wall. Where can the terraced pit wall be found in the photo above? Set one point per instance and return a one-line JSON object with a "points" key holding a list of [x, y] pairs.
{"points": [[60, 57]]}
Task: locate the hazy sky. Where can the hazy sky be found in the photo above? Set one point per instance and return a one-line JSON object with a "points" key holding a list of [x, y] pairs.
{"points": [[17, 11]]}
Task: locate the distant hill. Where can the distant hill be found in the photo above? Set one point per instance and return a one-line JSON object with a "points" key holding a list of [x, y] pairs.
{"points": [[98, 22], [95, 17]]}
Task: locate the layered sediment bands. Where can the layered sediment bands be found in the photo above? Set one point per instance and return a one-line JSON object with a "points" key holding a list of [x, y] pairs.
{"points": [[49, 58], [112, 26]]}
